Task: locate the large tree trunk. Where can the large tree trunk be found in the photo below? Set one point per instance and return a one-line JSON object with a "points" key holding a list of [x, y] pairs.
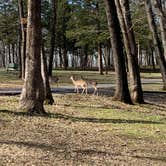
{"points": [[52, 44], [32, 96], [131, 50], [48, 95], [122, 90], [162, 16], [23, 37], [157, 44]]}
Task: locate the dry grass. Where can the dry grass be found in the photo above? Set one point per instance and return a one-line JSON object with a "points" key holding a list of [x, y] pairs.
{"points": [[84, 130]]}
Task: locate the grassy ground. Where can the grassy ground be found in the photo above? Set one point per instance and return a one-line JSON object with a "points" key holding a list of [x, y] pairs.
{"points": [[11, 80], [83, 129]]}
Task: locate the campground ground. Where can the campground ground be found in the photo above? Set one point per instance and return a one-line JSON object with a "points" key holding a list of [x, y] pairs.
{"points": [[85, 129]]}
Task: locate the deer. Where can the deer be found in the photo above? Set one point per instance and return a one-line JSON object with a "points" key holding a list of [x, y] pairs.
{"points": [[94, 85], [54, 79], [79, 83]]}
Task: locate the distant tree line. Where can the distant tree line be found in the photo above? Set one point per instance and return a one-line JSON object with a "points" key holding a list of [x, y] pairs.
{"points": [[74, 33]]}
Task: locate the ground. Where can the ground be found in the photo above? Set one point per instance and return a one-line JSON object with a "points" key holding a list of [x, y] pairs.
{"points": [[85, 130]]}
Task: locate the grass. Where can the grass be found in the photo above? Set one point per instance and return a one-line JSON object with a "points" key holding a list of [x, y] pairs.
{"points": [[11, 80], [83, 130]]}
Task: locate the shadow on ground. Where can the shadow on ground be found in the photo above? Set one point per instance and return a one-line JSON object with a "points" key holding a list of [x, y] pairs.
{"points": [[63, 149], [82, 119]]}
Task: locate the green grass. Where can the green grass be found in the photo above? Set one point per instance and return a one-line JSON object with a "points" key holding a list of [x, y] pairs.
{"points": [[12, 80], [83, 130]]}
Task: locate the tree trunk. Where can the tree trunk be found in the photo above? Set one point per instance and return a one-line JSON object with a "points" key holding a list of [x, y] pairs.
{"points": [[122, 90], [19, 53], [100, 63], [85, 58], [162, 16], [3, 56], [9, 54], [48, 95], [32, 96], [23, 38], [13, 54], [65, 52], [60, 57], [52, 44], [131, 50], [157, 44]]}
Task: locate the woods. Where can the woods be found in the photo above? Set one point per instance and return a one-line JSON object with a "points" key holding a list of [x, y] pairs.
{"points": [[82, 82], [87, 35]]}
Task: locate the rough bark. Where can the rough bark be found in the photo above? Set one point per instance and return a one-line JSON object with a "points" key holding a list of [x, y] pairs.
{"points": [[52, 44], [32, 96], [23, 37], [122, 90], [48, 95], [156, 40], [123, 11], [162, 16]]}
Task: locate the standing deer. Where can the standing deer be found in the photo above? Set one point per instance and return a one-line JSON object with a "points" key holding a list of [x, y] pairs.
{"points": [[94, 85], [79, 83]]}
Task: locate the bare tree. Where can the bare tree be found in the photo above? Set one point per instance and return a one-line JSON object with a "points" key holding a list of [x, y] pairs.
{"points": [[52, 44], [162, 15], [23, 23], [124, 16], [48, 95], [32, 96], [122, 91], [156, 40]]}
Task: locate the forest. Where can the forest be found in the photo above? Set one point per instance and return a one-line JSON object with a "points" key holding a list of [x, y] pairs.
{"points": [[88, 69], [87, 35]]}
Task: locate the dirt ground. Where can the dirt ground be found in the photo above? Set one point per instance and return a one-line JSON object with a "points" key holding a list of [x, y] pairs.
{"points": [[78, 133]]}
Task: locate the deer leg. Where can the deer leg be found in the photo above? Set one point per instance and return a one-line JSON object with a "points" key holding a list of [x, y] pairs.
{"points": [[95, 91], [83, 90], [77, 90], [86, 90]]}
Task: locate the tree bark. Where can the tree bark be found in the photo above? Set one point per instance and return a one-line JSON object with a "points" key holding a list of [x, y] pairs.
{"points": [[23, 38], [48, 95], [123, 11], [32, 96], [65, 52], [157, 44], [162, 16], [100, 63], [122, 90], [52, 44]]}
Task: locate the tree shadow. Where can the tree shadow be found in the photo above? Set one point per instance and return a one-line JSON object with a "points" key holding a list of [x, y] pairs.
{"points": [[63, 149], [93, 152], [82, 119], [57, 148], [157, 107], [156, 158]]}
